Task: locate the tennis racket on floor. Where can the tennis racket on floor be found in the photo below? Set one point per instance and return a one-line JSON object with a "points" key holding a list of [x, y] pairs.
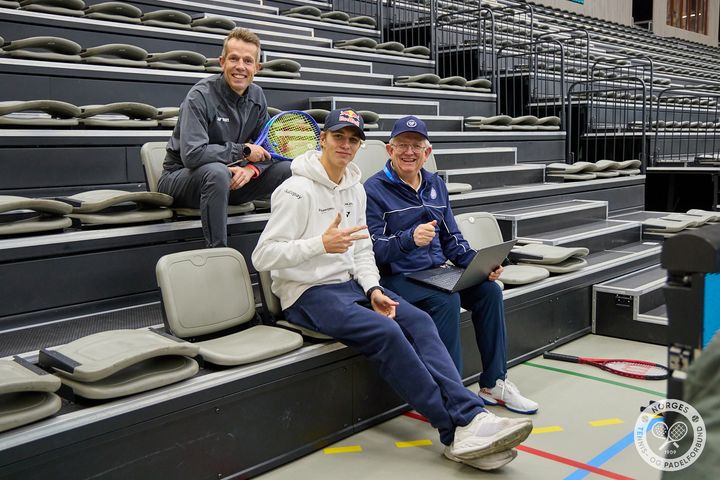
{"points": [[619, 366], [288, 135]]}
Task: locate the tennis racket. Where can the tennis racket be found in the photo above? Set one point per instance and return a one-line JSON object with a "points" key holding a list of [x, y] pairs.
{"points": [[288, 135], [619, 366], [672, 434]]}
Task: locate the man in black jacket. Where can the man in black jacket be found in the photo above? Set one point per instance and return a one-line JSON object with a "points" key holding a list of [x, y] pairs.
{"points": [[219, 117]]}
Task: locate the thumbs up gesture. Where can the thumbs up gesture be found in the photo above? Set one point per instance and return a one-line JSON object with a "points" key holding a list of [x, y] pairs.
{"points": [[338, 240], [424, 233]]}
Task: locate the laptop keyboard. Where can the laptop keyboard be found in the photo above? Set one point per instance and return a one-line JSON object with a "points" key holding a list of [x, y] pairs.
{"points": [[447, 279]]}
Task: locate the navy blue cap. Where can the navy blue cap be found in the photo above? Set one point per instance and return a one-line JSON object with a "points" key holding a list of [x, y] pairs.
{"points": [[411, 123], [344, 117]]}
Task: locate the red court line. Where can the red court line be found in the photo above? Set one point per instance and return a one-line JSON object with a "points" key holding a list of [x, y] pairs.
{"points": [[572, 463], [549, 456]]}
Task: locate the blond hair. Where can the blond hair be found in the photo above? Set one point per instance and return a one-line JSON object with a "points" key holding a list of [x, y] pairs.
{"points": [[240, 33]]}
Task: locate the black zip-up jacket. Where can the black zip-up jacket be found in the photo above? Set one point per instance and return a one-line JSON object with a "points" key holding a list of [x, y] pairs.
{"points": [[213, 124]]}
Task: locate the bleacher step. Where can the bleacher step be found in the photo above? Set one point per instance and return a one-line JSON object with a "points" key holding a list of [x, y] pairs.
{"points": [[434, 122], [313, 61], [328, 75], [487, 177], [537, 219], [632, 306], [596, 236], [403, 107], [447, 158]]}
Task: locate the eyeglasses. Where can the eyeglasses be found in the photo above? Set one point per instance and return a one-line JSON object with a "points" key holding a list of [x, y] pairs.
{"points": [[404, 146]]}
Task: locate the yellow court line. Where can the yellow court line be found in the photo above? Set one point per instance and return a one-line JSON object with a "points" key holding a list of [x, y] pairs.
{"points": [[604, 423], [334, 450], [414, 443], [555, 428]]}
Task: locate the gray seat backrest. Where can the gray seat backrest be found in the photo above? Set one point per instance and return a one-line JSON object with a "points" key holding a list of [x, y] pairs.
{"points": [[152, 155], [272, 302], [205, 291], [480, 229], [371, 158]]}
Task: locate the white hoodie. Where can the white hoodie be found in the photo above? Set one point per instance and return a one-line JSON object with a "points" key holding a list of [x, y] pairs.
{"points": [[303, 207]]}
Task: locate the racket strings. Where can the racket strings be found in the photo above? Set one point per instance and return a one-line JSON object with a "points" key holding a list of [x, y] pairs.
{"points": [[637, 368], [292, 134]]}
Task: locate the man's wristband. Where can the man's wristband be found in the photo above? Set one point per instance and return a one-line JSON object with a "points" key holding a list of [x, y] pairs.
{"points": [[372, 289]]}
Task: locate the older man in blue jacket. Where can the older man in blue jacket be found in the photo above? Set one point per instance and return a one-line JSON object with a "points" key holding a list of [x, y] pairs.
{"points": [[412, 228]]}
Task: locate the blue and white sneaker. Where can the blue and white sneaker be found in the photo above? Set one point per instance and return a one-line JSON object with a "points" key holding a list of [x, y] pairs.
{"points": [[507, 394]]}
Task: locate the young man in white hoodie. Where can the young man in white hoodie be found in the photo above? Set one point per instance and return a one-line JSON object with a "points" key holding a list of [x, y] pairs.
{"points": [[324, 272]]}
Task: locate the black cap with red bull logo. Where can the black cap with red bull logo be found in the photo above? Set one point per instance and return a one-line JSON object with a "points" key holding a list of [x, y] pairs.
{"points": [[344, 117]]}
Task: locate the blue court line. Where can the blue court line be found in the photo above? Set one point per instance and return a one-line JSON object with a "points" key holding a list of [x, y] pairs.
{"points": [[610, 452]]}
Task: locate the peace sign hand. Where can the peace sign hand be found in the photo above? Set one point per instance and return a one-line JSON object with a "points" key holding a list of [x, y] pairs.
{"points": [[339, 240]]}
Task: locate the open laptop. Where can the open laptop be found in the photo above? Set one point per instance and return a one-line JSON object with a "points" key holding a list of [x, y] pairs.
{"points": [[453, 279]]}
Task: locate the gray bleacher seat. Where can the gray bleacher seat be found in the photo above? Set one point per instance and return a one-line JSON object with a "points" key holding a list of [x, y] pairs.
{"points": [[212, 65], [695, 220], [307, 12], [213, 24], [663, 225], [371, 158], [177, 60], [117, 363], [524, 122], [272, 111], [280, 68], [495, 122], [363, 21], [116, 54], [335, 16], [208, 291], [390, 48], [72, 8], [576, 177], [167, 19], [478, 85], [119, 114], [546, 254], [152, 155], [362, 44], [51, 49], [167, 116], [318, 114], [38, 113], [572, 264], [114, 12], [272, 303], [21, 215], [423, 80], [26, 393], [481, 230], [418, 51], [455, 82], [551, 122], [9, 4], [117, 207], [708, 215], [370, 119]]}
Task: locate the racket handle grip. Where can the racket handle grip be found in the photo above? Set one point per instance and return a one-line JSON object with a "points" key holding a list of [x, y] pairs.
{"points": [[561, 357]]}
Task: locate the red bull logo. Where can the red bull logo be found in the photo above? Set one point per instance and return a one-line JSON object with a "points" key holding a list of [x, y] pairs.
{"points": [[350, 116]]}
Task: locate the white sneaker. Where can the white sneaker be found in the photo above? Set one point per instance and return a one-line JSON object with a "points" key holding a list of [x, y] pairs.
{"points": [[486, 462], [506, 393], [488, 433]]}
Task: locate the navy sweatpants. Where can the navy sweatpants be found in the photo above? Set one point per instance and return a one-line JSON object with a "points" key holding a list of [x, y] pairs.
{"points": [[484, 300], [407, 349]]}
